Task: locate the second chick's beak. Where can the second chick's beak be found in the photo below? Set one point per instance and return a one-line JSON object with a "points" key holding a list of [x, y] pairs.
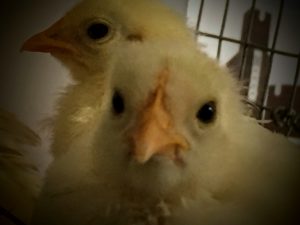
{"points": [[155, 133], [51, 40]]}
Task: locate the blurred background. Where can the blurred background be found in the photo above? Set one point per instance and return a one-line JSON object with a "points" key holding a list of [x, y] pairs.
{"points": [[258, 40]]}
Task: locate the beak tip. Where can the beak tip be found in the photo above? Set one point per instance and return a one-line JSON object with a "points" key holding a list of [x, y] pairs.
{"points": [[23, 48], [28, 45], [140, 160], [37, 43]]}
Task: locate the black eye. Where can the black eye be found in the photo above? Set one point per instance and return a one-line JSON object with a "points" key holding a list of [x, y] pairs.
{"points": [[97, 31], [118, 103], [207, 112]]}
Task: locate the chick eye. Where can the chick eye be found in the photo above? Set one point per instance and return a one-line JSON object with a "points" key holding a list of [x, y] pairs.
{"points": [[118, 103], [207, 112], [97, 31]]}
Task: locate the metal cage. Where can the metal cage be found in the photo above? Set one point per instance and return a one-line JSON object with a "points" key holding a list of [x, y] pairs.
{"points": [[284, 118]]}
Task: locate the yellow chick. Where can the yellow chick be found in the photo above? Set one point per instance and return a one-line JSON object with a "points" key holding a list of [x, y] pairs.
{"points": [[165, 141], [85, 38], [89, 35], [19, 178]]}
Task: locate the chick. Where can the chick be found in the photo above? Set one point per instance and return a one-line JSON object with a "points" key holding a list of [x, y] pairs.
{"points": [[85, 38], [169, 143], [19, 178]]}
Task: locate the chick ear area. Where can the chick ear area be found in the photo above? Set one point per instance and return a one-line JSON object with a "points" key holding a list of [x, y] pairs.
{"points": [[207, 112], [118, 103]]}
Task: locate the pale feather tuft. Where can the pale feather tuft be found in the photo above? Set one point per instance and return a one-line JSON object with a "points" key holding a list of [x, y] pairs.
{"points": [[19, 177]]}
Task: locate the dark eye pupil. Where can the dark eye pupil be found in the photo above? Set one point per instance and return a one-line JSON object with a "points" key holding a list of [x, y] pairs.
{"points": [[97, 31], [207, 112], [118, 103]]}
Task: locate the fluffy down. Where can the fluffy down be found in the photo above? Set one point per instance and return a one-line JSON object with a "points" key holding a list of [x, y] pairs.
{"points": [[88, 35], [164, 139], [19, 178], [87, 38]]}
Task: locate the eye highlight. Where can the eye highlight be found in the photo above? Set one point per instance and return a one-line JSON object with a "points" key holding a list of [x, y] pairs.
{"points": [[118, 104], [207, 112], [98, 30]]}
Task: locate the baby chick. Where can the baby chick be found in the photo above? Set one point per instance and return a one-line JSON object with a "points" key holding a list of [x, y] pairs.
{"points": [[85, 38], [89, 35], [165, 140], [19, 178]]}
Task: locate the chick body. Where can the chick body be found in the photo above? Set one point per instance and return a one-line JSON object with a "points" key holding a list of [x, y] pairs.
{"points": [[231, 170], [221, 172]]}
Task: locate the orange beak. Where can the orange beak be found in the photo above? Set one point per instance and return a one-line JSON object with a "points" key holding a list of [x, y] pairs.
{"points": [[50, 41], [155, 133]]}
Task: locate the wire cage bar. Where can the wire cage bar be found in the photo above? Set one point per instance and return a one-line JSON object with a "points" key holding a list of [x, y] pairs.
{"points": [[281, 117]]}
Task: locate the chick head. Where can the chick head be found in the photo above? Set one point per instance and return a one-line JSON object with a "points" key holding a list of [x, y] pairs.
{"points": [[86, 37], [164, 119]]}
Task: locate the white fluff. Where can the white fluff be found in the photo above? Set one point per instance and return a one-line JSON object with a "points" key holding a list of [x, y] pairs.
{"points": [[233, 172], [19, 178], [236, 172]]}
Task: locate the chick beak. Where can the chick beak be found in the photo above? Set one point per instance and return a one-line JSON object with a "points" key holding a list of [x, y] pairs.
{"points": [[50, 41], [155, 133]]}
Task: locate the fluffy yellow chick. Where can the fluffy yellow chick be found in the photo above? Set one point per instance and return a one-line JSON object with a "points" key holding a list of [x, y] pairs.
{"points": [[85, 38], [89, 35], [19, 178], [165, 141]]}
